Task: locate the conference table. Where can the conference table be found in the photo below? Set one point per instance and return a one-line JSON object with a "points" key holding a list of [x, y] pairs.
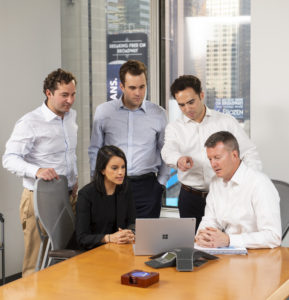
{"points": [[96, 274]]}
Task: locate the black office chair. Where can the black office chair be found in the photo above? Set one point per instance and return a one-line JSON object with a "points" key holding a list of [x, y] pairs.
{"points": [[2, 248], [54, 213], [283, 190]]}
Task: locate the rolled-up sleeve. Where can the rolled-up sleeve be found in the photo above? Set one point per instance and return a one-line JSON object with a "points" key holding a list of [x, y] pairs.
{"points": [[17, 147]]}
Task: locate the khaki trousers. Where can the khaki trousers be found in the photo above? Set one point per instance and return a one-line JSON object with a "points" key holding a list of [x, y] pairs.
{"points": [[32, 239]]}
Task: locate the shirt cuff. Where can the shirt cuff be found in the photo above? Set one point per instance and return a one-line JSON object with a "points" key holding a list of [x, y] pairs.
{"points": [[171, 160], [236, 240], [175, 160], [31, 171]]}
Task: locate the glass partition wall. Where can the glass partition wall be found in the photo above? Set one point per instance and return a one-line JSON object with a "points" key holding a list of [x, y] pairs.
{"points": [[97, 36]]}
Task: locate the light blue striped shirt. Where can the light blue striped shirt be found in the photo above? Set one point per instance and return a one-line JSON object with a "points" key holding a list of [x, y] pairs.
{"points": [[139, 133]]}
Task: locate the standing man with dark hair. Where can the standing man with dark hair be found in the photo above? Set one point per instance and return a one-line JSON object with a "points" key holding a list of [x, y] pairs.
{"points": [[184, 144], [243, 205], [43, 145], [136, 126]]}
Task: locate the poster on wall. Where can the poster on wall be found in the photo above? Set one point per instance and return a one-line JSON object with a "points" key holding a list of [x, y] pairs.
{"points": [[231, 106], [120, 48]]}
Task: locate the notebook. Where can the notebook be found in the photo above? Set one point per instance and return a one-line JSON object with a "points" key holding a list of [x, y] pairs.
{"points": [[153, 236], [223, 250]]}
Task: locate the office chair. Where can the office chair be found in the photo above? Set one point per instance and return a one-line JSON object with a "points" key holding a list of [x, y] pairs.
{"points": [[2, 248], [283, 190], [53, 212]]}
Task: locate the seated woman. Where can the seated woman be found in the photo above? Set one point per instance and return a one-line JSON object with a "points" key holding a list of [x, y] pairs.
{"points": [[105, 211]]}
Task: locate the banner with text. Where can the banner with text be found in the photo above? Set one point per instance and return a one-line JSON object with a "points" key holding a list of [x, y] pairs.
{"points": [[121, 48], [231, 106]]}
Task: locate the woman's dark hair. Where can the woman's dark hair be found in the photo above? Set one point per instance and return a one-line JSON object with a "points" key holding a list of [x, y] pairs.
{"points": [[104, 154]]}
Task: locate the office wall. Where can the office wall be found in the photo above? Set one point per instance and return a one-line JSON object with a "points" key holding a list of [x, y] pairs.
{"points": [[269, 85], [30, 49]]}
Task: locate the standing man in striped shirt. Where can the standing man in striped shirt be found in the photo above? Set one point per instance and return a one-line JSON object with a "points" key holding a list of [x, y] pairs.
{"points": [[137, 127]]}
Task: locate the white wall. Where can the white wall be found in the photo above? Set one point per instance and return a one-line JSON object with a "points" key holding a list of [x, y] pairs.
{"points": [[30, 48], [270, 85]]}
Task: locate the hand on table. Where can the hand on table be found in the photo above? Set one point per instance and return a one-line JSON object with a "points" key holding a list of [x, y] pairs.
{"points": [[122, 236], [212, 238]]}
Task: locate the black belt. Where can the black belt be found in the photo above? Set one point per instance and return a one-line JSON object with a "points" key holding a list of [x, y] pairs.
{"points": [[203, 194], [141, 177]]}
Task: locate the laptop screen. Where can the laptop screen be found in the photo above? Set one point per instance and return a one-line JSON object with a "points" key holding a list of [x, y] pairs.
{"points": [[154, 236]]}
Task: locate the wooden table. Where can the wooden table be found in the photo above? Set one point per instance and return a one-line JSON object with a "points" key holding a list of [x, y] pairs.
{"points": [[96, 275]]}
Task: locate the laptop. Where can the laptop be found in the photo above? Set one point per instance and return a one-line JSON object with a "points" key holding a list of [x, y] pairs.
{"points": [[153, 236]]}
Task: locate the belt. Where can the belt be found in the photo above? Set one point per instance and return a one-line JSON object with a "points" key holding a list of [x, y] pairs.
{"points": [[203, 194], [141, 177]]}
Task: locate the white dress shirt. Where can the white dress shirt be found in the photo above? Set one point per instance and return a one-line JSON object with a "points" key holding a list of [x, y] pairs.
{"points": [[246, 208], [41, 139], [186, 137], [139, 133]]}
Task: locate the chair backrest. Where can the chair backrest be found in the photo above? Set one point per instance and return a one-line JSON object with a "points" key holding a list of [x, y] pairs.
{"points": [[283, 190], [53, 209]]}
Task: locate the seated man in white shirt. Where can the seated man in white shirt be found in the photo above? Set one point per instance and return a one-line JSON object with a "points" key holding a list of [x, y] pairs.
{"points": [[242, 207]]}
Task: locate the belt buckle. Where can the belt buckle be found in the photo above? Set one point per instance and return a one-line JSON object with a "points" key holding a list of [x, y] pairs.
{"points": [[203, 194]]}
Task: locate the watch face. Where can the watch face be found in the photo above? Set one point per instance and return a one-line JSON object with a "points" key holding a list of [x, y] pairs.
{"points": [[140, 274]]}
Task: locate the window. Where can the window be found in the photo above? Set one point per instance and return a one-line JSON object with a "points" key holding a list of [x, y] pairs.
{"points": [[197, 37], [201, 36]]}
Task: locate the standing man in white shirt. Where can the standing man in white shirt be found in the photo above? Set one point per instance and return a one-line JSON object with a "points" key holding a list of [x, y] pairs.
{"points": [[136, 126], [43, 145], [243, 205], [184, 145]]}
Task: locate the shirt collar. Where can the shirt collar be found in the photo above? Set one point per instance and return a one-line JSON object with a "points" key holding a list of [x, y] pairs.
{"points": [[49, 114], [239, 174], [207, 114], [121, 105]]}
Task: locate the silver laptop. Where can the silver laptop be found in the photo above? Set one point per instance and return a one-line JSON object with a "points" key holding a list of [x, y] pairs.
{"points": [[153, 236]]}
